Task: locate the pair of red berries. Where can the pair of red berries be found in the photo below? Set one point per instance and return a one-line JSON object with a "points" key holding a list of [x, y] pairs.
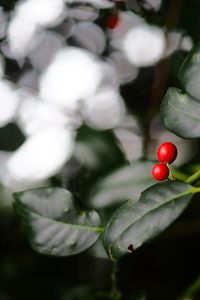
{"points": [[166, 153]]}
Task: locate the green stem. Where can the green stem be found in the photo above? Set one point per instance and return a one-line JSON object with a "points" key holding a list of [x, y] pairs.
{"points": [[179, 175], [115, 293], [193, 190], [193, 178], [171, 176]]}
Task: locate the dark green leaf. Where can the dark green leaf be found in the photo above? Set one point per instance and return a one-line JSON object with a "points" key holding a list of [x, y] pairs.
{"points": [[125, 183], [189, 73], [133, 224], [181, 114], [56, 223]]}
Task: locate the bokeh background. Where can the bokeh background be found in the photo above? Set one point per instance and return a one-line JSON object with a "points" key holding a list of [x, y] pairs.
{"points": [[81, 84]]}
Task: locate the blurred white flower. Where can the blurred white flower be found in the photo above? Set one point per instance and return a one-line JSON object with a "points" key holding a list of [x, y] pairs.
{"points": [[109, 78], [67, 27], [73, 75], [28, 17], [35, 114], [42, 155], [144, 45], [83, 13], [20, 36], [105, 110], [90, 36], [28, 80], [177, 40], [8, 183], [186, 43], [152, 4], [127, 21], [44, 49], [8, 102], [40, 12], [124, 70], [173, 42]]}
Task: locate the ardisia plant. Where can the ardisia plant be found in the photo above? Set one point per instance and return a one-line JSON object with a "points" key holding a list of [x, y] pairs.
{"points": [[57, 223]]}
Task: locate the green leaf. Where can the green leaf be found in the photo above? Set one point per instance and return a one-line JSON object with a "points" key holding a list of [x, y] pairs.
{"points": [[189, 73], [180, 113], [55, 222], [133, 224], [123, 184]]}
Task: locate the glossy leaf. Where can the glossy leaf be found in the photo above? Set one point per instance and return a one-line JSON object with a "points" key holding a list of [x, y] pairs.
{"points": [[125, 183], [189, 73], [181, 114], [133, 224], [56, 224]]}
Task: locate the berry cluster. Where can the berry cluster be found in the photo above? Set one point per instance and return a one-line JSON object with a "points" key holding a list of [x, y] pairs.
{"points": [[166, 153]]}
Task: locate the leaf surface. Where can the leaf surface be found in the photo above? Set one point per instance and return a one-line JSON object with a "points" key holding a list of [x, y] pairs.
{"points": [[133, 224], [56, 223], [180, 114]]}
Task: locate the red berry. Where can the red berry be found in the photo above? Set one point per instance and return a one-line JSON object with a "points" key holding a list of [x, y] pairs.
{"points": [[160, 172], [167, 152], [112, 21]]}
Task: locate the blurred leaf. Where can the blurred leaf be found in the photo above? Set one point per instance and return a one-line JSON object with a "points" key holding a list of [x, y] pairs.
{"points": [[56, 223], [98, 150], [96, 154], [125, 183], [133, 224], [189, 73], [180, 113]]}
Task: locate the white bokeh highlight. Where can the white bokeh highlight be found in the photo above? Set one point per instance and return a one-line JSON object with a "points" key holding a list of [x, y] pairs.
{"points": [[20, 37], [73, 75], [90, 36], [127, 21], [28, 18], [124, 70], [34, 114], [144, 45], [42, 155], [105, 110]]}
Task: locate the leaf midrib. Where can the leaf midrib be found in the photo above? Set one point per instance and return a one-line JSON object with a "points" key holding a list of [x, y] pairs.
{"points": [[77, 226], [151, 210], [181, 111]]}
